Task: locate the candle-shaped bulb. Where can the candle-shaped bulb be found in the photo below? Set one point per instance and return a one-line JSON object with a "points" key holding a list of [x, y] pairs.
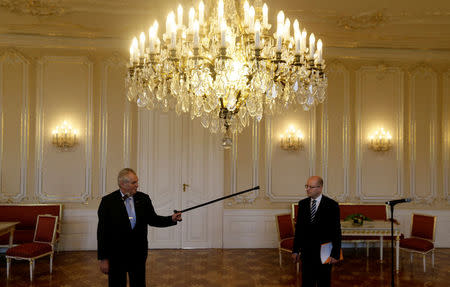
{"points": [[180, 15], [257, 34], [246, 13], [196, 27], [265, 15], [287, 29], [131, 54], [251, 18], [191, 17], [135, 46], [280, 18], [296, 26], [303, 41], [319, 50], [312, 41], [201, 12], [220, 11], [223, 30]]}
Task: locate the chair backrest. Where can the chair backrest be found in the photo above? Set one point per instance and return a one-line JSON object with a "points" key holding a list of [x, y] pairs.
{"points": [[46, 228], [423, 226], [294, 212], [372, 211], [284, 224]]}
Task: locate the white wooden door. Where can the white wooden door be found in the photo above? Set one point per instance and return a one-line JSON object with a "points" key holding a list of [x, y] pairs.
{"points": [[180, 164]]}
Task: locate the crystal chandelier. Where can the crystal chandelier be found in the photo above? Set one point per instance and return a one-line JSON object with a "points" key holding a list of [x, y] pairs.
{"points": [[226, 68]]}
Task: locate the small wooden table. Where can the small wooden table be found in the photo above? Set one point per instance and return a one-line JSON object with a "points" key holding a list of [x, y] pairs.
{"points": [[374, 228], [8, 227]]}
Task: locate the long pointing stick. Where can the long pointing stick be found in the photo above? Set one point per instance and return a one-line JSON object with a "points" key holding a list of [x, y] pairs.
{"points": [[215, 200]]}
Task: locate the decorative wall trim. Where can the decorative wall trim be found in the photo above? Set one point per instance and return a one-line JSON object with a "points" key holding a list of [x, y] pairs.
{"points": [[256, 228], [341, 69], [78, 230], [42, 196], [398, 133], [113, 61], [446, 135], [269, 147], [432, 139], [249, 197], [15, 56]]}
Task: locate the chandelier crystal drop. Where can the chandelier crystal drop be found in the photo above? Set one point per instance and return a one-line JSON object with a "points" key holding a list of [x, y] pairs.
{"points": [[226, 68]]}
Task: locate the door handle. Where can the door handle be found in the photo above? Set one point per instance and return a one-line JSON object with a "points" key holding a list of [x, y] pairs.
{"points": [[184, 186]]}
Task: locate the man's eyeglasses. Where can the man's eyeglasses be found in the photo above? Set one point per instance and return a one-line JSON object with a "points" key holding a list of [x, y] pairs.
{"points": [[311, 186]]}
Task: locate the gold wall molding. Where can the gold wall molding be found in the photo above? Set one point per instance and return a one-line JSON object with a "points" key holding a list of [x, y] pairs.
{"points": [[107, 173], [255, 142], [337, 69], [366, 20], [309, 152], [446, 135], [430, 189], [12, 56], [34, 7], [365, 157], [42, 145]]}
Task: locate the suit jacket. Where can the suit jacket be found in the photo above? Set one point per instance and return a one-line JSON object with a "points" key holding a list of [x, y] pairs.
{"points": [[325, 228], [115, 237]]}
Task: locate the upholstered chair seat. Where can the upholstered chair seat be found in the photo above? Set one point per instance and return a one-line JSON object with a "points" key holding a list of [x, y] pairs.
{"points": [[42, 245], [285, 235], [422, 237]]}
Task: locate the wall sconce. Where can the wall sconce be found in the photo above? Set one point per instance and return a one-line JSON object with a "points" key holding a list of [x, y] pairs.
{"points": [[292, 139], [64, 136], [380, 140]]}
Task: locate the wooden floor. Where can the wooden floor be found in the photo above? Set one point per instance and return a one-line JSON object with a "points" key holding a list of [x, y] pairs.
{"points": [[231, 267]]}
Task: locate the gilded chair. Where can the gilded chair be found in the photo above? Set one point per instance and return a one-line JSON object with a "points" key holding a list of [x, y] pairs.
{"points": [[285, 235], [294, 213], [422, 237], [42, 245]]}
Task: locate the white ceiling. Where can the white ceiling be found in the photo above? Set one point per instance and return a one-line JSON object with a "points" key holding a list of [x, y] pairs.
{"points": [[397, 24]]}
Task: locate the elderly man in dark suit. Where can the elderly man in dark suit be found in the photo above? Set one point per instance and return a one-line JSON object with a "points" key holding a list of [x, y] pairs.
{"points": [[318, 222], [123, 217]]}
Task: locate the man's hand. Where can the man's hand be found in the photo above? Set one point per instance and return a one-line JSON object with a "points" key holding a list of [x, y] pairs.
{"points": [[333, 261], [295, 257], [104, 266], [176, 217]]}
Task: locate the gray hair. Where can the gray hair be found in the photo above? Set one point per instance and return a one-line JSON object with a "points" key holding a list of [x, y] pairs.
{"points": [[122, 177]]}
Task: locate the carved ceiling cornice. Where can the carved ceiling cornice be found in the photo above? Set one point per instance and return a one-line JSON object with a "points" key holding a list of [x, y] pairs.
{"points": [[364, 20], [34, 7]]}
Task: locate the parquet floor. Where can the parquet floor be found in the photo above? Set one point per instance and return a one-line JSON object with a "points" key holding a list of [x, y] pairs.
{"points": [[231, 267]]}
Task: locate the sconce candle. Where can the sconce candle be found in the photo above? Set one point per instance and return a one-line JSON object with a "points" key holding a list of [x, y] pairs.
{"points": [[292, 139], [380, 140], [64, 136]]}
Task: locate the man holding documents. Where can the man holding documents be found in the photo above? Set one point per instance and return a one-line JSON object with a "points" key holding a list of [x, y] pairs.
{"points": [[317, 234]]}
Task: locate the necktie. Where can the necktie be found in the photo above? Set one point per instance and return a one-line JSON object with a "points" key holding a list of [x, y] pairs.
{"points": [[130, 211], [313, 210]]}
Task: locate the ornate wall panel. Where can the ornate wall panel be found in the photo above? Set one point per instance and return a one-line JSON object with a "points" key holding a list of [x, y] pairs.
{"points": [[115, 113], [159, 169], [335, 135], [446, 134], [379, 104], [423, 133], [245, 163], [64, 92], [14, 122], [287, 171]]}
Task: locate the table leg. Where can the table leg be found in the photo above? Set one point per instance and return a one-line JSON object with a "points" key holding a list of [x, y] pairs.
{"points": [[397, 251], [381, 248], [11, 236]]}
